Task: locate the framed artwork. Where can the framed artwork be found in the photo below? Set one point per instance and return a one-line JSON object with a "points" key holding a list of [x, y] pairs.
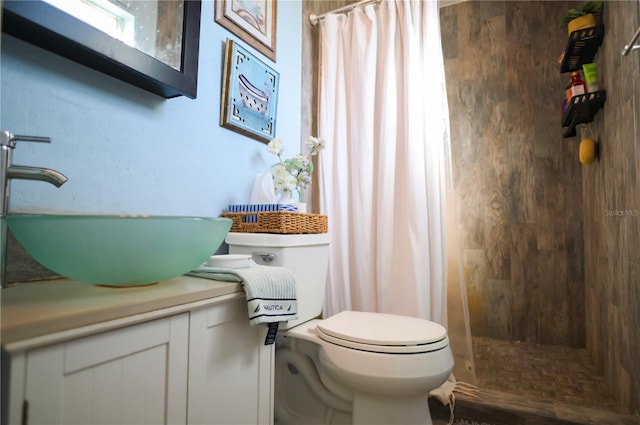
{"points": [[254, 21], [249, 94]]}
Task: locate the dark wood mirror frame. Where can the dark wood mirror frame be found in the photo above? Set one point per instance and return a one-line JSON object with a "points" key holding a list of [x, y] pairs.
{"points": [[43, 25]]}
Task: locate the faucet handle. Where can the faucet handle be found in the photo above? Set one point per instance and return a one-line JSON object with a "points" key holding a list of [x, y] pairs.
{"points": [[9, 139]]}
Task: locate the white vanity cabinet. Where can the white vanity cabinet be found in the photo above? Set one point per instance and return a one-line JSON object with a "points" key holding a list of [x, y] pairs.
{"points": [[195, 360], [230, 369], [133, 375]]}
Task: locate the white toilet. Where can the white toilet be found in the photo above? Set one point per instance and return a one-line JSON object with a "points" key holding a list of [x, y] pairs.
{"points": [[354, 367]]}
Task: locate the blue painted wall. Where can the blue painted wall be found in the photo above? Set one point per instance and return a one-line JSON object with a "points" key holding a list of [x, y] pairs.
{"points": [[128, 151]]}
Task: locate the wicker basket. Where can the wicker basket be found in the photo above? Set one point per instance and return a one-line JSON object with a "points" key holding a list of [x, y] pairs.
{"points": [[277, 222]]}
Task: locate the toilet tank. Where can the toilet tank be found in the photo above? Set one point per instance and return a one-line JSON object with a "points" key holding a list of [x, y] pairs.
{"points": [[307, 256]]}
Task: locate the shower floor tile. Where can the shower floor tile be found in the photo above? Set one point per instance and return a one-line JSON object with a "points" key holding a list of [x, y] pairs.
{"points": [[542, 373], [531, 384]]}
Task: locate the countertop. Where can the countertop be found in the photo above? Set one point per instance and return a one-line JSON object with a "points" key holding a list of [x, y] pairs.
{"points": [[39, 309]]}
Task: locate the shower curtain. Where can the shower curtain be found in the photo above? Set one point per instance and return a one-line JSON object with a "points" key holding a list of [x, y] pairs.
{"points": [[383, 112]]}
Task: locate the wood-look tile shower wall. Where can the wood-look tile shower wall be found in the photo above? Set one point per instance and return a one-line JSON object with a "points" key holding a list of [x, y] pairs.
{"points": [[518, 182], [551, 248], [611, 190]]}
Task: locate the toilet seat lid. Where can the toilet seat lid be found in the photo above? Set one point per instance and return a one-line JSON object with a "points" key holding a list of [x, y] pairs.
{"points": [[383, 333]]}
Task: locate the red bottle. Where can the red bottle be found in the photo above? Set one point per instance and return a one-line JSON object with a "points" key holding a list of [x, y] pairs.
{"points": [[577, 85]]}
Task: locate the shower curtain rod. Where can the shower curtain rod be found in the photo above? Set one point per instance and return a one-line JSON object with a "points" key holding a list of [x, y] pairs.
{"points": [[315, 18]]}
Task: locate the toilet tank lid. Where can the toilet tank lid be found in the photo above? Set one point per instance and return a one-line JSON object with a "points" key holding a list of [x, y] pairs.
{"points": [[382, 329], [276, 240]]}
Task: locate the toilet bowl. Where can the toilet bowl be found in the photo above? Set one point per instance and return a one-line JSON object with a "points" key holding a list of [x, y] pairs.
{"points": [[351, 368]]}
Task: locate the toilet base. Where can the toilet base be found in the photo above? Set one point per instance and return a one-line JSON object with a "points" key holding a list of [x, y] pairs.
{"points": [[373, 409], [303, 397]]}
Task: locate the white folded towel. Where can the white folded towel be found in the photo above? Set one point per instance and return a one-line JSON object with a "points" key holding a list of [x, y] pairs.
{"points": [[270, 291]]}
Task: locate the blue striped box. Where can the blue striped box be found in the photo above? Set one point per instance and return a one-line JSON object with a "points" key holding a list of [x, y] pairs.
{"points": [[259, 208]]}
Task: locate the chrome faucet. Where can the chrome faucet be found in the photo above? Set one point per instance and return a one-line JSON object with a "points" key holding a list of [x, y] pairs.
{"points": [[7, 173]]}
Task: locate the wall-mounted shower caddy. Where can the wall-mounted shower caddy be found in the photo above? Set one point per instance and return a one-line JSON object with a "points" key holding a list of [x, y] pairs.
{"points": [[581, 48]]}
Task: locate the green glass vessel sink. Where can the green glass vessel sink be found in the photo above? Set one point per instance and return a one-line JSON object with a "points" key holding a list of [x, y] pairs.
{"points": [[119, 250]]}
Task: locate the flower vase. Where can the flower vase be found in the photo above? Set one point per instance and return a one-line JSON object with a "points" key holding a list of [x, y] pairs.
{"points": [[287, 198]]}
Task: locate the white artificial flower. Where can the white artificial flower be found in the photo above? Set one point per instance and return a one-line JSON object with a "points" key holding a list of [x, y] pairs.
{"points": [[284, 184], [315, 144], [280, 171], [311, 142], [304, 179], [303, 160], [293, 173], [275, 146]]}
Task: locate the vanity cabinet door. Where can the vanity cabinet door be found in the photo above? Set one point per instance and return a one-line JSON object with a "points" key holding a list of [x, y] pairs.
{"points": [[230, 368], [132, 375]]}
